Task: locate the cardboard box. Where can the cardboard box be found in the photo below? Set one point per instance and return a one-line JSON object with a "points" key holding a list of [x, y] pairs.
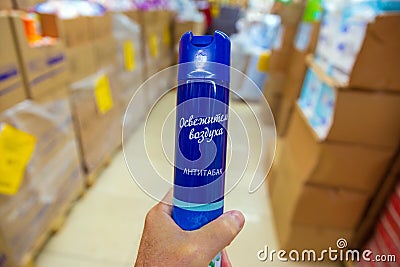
{"points": [[166, 33], [26, 4], [290, 13], [44, 67], [134, 115], [374, 66], [275, 82], [360, 116], [105, 51], [11, 84], [157, 38], [304, 237], [332, 163], [285, 113], [6, 4], [134, 15], [81, 61], [273, 89], [181, 27], [291, 89], [51, 182], [274, 101], [296, 73], [311, 204], [99, 133], [74, 31], [316, 205], [100, 26]]}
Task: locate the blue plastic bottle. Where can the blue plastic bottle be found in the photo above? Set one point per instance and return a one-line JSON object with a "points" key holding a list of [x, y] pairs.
{"points": [[201, 130]]}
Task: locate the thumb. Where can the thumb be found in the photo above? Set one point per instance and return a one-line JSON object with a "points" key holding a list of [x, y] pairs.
{"points": [[216, 235]]}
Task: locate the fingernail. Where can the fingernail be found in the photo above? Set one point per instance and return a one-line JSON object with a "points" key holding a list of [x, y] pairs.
{"points": [[237, 217]]}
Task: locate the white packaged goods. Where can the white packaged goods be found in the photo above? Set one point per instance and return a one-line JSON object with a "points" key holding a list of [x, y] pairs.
{"points": [[343, 31]]}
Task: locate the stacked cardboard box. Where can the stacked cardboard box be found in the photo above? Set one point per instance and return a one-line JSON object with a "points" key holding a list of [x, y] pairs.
{"points": [[44, 67], [130, 71], [157, 38], [290, 14], [11, 81], [97, 116], [339, 143], [6, 4], [157, 49], [96, 75], [26, 4], [89, 41], [180, 27], [47, 185]]}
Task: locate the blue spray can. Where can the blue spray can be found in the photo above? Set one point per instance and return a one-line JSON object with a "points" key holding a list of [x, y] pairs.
{"points": [[201, 130]]}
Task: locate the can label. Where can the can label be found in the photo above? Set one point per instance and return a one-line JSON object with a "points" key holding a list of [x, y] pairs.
{"points": [[200, 147], [200, 151]]}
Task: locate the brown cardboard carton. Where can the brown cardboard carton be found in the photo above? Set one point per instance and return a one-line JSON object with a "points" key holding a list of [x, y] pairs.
{"points": [[156, 36], [52, 178], [304, 237], [290, 13], [311, 204], [26, 4], [11, 84], [273, 91], [299, 236], [6, 4], [73, 31], [100, 26], [274, 101], [44, 67], [135, 15], [291, 89], [99, 133], [156, 45], [331, 163], [361, 116], [105, 51], [285, 112], [275, 82], [181, 27], [81, 61], [297, 71], [166, 33]]}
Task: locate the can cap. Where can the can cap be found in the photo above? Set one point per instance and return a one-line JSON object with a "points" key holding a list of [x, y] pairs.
{"points": [[206, 56]]}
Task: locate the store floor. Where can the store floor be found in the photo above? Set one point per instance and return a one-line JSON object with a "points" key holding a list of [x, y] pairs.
{"points": [[104, 228]]}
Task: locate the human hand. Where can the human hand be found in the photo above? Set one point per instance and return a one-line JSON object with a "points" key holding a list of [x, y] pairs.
{"points": [[164, 243]]}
